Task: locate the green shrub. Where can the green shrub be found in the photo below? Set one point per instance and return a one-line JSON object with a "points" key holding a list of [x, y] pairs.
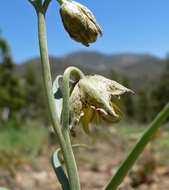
{"points": [[25, 140]]}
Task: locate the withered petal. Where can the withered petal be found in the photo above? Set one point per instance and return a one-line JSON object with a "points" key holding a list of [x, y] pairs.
{"points": [[112, 119], [90, 16]]}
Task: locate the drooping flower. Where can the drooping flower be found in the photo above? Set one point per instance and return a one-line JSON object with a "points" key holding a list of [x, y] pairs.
{"points": [[79, 22], [92, 97]]}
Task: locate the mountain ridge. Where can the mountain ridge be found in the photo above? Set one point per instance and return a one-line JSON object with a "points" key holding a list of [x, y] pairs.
{"points": [[132, 65]]}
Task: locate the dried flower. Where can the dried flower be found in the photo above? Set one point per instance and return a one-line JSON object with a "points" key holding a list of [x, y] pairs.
{"points": [[79, 22], [92, 97]]}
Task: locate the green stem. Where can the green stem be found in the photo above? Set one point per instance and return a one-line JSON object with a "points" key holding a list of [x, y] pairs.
{"points": [[47, 75], [66, 79], [65, 144], [137, 150], [72, 167], [46, 4], [72, 170]]}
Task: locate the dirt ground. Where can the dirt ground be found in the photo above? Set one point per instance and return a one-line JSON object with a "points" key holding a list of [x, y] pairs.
{"points": [[96, 166]]}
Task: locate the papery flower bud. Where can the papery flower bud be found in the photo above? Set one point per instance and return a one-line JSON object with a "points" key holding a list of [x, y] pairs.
{"points": [[79, 22], [92, 97]]}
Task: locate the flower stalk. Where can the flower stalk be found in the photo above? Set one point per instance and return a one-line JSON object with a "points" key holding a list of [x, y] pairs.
{"points": [[72, 168], [63, 138]]}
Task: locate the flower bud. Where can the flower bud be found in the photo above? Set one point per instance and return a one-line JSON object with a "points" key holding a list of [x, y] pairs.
{"points": [[79, 22], [92, 96]]}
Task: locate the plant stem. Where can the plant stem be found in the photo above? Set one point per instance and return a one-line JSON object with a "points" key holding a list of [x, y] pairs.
{"points": [[63, 141], [137, 150], [47, 76], [66, 79], [72, 171], [46, 4], [72, 167]]}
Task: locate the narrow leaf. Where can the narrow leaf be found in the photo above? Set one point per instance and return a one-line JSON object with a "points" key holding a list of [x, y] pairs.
{"points": [[59, 171], [137, 150]]}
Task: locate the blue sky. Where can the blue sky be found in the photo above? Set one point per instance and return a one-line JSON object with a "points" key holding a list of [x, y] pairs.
{"points": [[136, 26]]}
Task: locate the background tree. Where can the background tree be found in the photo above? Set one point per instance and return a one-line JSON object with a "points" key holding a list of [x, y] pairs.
{"points": [[35, 101], [127, 101], [10, 93], [143, 107], [114, 75], [160, 91]]}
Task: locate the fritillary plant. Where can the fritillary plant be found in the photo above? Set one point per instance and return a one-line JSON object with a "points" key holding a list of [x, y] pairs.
{"points": [[84, 99]]}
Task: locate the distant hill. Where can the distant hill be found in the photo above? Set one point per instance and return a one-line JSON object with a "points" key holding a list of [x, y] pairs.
{"points": [[140, 68]]}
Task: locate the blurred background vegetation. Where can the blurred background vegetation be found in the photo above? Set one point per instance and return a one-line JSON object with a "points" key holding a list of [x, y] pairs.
{"points": [[22, 97], [24, 118]]}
